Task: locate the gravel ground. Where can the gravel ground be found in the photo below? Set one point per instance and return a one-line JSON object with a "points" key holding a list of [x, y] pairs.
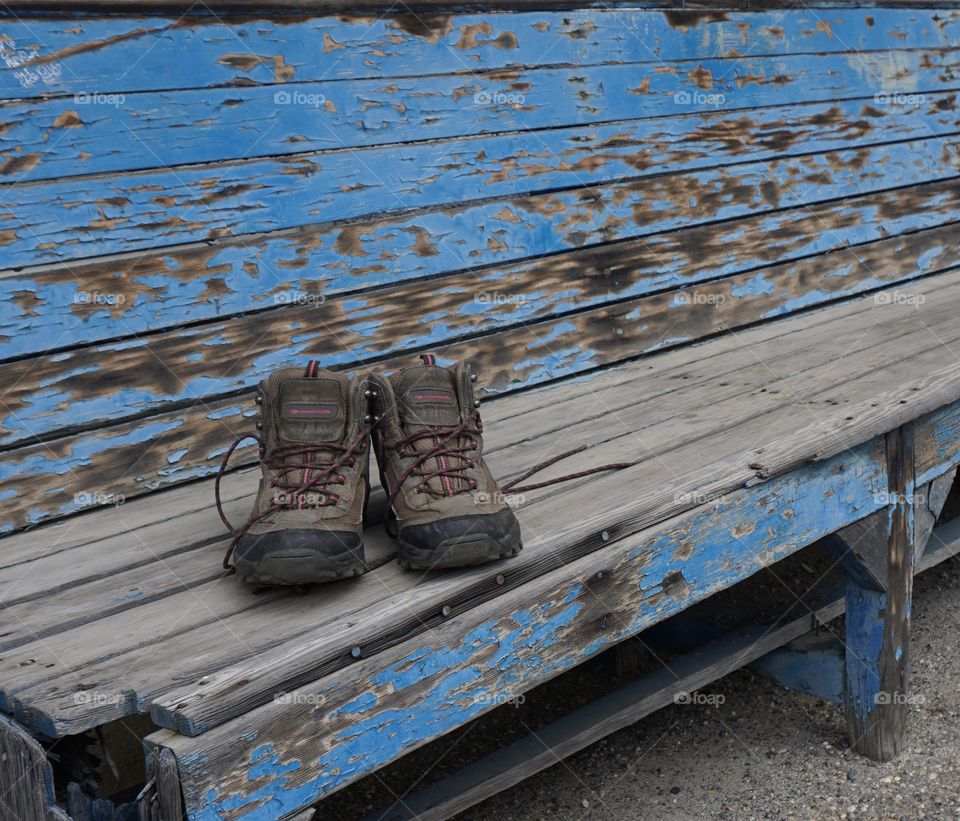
{"points": [[763, 752]]}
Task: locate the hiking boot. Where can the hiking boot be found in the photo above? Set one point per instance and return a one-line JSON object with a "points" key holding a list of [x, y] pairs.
{"points": [[444, 507], [307, 520]]}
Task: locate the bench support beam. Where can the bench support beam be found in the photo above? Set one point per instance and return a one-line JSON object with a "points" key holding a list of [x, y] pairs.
{"points": [[879, 584]]}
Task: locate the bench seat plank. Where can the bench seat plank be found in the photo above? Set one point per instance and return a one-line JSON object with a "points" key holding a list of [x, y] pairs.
{"points": [[53, 56], [173, 285], [285, 755], [79, 599], [99, 214], [170, 127], [707, 466]]}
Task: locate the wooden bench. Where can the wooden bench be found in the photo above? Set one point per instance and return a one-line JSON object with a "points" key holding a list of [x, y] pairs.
{"points": [[720, 243]]}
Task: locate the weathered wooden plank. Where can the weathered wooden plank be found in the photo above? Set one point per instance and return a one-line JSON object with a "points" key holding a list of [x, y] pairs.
{"points": [[56, 708], [84, 585], [930, 501], [90, 386], [708, 467], [60, 56], [29, 620], [98, 527], [233, 690], [167, 128], [877, 635], [687, 12], [49, 308], [188, 444], [68, 715], [574, 731], [177, 518], [937, 443], [400, 699], [209, 602], [26, 781], [100, 214]]}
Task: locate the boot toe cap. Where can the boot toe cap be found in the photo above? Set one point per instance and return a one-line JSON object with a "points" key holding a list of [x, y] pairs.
{"points": [[459, 541], [298, 556]]}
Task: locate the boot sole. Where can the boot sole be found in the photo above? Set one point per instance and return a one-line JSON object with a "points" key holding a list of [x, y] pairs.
{"points": [[296, 570], [457, 552]]}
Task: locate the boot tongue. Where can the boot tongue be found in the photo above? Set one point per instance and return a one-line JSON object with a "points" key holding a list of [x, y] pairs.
{"points": [[311, 406], [427, 395]]}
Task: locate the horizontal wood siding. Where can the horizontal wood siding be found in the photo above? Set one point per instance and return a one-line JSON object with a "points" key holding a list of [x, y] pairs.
{"points": [[188, 203]]}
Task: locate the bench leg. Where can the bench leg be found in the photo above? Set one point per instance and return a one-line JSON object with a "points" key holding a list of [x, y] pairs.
{"points": [[878, 597]]}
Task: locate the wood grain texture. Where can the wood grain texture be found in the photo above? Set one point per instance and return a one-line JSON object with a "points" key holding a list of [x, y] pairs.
{"points": [[106, 463], [706, 467], [26, 781], [937, 442], [57, 56], [81, 549], [416, 691], [123, 573], [108, 382], [236, 689], [877, 634], [110, 214], [167, 128], [510, 765], [58, 306]]}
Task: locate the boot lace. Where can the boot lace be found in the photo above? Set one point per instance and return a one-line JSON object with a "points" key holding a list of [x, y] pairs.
{"points": [[455, 451], [297, 471]]}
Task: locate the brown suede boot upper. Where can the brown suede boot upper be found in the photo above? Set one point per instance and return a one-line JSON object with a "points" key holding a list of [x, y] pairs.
{"points": [[307, 519], [428, 443]]}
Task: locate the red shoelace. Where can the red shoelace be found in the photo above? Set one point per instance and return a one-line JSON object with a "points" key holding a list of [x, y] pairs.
{"points": [[455, 451]]}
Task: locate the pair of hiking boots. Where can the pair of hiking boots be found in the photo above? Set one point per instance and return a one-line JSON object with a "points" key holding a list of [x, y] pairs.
{"points": [[315, 428]]}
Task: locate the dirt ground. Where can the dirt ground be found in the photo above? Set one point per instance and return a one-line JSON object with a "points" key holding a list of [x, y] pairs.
{"points": [[758, 752]]}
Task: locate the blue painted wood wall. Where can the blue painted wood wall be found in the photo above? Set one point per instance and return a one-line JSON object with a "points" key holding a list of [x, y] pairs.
{"points": [[188, 203]]}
